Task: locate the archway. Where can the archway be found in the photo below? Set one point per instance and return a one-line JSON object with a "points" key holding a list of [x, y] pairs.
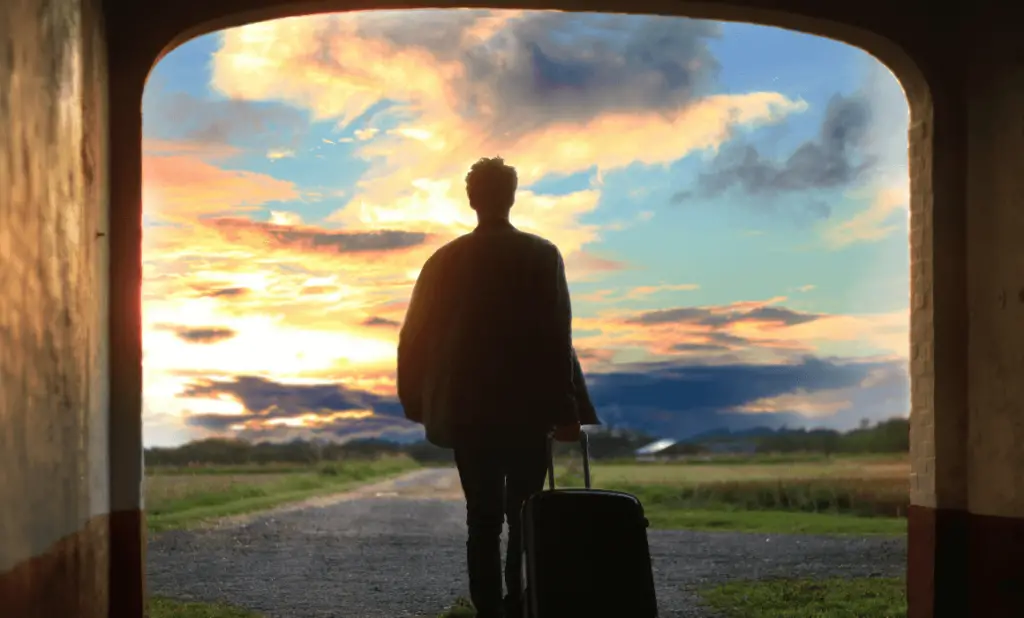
{"points": [[845, 23], [965, 282]]}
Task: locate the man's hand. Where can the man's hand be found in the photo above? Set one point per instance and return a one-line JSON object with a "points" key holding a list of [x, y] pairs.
{"points": [[568, 433]]}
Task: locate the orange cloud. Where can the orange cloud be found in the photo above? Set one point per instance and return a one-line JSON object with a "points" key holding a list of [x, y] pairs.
{"points": [[876, 221], [639, 292], [751, 331], [339, 66], [203, 150], [827, 402], [180, 187]]}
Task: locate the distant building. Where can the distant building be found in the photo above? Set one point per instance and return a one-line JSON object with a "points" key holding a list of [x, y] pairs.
{"points": [[672, 450], [652, 450]]}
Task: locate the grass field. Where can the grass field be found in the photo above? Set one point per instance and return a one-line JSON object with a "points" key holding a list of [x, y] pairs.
{"points": [[838, 495], [868, 597], [183, 497], [808, 494], [865, 597]]}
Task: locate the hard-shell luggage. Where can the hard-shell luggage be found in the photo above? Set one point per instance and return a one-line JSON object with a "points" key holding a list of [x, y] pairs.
{"points": [[586, 552]]}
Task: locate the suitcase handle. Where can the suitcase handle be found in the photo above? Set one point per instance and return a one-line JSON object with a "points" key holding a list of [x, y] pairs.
{"points": [[584, 449]]}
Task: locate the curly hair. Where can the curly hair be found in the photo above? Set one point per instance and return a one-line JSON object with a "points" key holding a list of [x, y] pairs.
{"points": [[491, 185]]}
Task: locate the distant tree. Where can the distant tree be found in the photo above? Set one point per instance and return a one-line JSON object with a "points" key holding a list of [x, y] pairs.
{"points": [[890, 436]]}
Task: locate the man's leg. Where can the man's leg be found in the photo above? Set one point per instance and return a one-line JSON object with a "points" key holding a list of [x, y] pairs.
{"points": [[483, 483], [527, 470]]}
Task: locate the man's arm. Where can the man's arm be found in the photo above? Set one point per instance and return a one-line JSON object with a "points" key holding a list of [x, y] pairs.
{"points": [[412, 346], [556, 335]]}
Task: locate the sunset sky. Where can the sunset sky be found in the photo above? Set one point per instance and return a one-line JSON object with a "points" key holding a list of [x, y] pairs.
{"points": [[730, 200]]}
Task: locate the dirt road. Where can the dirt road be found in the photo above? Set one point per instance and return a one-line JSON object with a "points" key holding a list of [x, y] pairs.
{"points": [[396, 549]]}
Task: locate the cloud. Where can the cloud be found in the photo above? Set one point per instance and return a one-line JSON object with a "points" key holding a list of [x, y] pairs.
{"points": [[724, 316], [228, 293], [180, 188], [835, 158], [365, 134], [886, 199], [269, 399], [220, 121], [626, 90], [207, 335], [315, 239], [608, 296], [882, 392], [492, 68], [338, 430], [580, 264], [204, 151], [318, 290], [714, 341], [747, 331], [276, 410], [574, 69], [669, 399], [647, 290], [275, 154], [212, 289], [888, 212], [860, 147], [379, 321], [678, 400]]}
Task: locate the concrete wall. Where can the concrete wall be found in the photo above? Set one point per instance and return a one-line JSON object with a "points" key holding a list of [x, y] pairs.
{"points": [[994, 433], [53, 318]]}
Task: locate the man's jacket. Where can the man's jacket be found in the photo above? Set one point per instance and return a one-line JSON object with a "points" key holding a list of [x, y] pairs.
{"points": [[486, 346]]}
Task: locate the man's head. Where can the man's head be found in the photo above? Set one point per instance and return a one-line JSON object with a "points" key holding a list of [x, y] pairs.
{"points": [[491, 187]]}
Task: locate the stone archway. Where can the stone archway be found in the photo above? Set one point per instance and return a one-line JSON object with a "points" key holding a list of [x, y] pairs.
{"points": [[72, 408]]}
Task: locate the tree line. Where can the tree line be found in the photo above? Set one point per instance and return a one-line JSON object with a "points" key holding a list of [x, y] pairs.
{"points": [[891, 436], [230, 451]]}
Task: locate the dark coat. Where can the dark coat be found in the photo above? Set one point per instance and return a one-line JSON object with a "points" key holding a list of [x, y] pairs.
{"points": [[486, 345]]}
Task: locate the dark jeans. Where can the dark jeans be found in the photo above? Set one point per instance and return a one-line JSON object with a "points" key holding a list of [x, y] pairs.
{"points": [[497, 479]]}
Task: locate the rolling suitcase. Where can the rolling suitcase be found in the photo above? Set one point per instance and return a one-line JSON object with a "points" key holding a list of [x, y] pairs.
{"points": [[585, 552]]}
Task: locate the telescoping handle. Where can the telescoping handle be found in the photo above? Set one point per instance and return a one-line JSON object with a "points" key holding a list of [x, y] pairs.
{"points": [[584, 449]]}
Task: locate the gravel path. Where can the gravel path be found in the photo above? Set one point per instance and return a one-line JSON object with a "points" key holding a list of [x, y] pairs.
{"points": [[396, 549]]}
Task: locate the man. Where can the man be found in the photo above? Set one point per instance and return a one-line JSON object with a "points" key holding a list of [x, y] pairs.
{"points": [[485, 362]]}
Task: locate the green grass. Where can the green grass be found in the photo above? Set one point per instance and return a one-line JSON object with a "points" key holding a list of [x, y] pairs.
{"points": [[756, 459], [837, 495], [738, 469], [869, 597], [234, 469], [461, 608], [161, 607], [771, 522], [179, 499]]}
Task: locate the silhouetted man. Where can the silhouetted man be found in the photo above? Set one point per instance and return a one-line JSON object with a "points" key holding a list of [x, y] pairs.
{"points": [[485, 362]]}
